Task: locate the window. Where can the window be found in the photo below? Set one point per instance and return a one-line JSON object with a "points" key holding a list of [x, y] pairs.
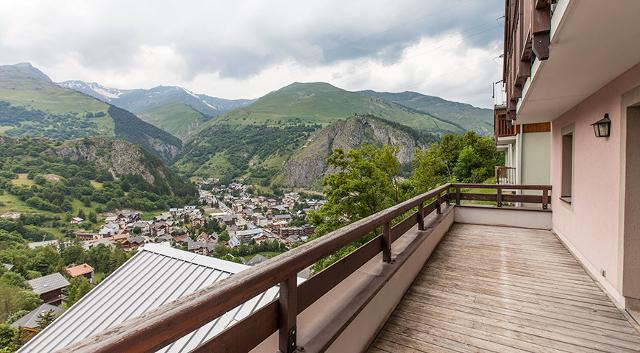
{"points": [[567, 167]]}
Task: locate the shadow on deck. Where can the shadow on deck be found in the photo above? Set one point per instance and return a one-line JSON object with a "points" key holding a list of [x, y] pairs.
{"points": [[504, 289]]}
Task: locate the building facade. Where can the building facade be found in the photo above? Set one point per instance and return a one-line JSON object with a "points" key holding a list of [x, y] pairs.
{"points": [[570, 64]]}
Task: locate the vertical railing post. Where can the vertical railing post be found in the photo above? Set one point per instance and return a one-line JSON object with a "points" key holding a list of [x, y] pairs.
{"points": [[545, 199], [499, 196], [386, 242], [438, 209], [447, 198], [420, 216], [288, 310], [457, 195]]}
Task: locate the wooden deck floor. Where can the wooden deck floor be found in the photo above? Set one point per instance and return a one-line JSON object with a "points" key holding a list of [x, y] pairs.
{"points": [[505, 289]]}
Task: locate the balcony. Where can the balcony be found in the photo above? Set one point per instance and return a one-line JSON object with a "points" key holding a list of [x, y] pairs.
{"points": [[502, 126], [505, 175], [451, 269]]}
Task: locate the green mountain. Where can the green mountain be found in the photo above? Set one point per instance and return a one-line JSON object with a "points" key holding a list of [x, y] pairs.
{"points": [[171, 108], [274, 140], [178, 119], [51, 177], [322, 103], [467, 116], [257, 141], [32, 105]]}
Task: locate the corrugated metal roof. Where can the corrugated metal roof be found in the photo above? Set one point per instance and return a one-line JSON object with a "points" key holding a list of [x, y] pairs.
{"points": [[156, 275], [48, 283]]}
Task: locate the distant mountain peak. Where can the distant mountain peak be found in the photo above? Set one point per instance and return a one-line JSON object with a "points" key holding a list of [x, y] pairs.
{"points": [[22, 70]]}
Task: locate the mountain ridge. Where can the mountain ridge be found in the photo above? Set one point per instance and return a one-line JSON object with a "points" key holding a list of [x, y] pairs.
{"points": [[465, 115], [31, 104]]}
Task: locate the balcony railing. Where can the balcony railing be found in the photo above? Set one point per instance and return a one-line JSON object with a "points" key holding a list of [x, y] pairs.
{"points": [[505, 175], [160, 327], [501, 125]]}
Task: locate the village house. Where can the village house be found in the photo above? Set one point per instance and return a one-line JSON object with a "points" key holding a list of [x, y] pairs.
{"points": [[143, 226], [84, 270], [51, 288], [84, 236], [200, 247], [29, 324], [76, 220]]}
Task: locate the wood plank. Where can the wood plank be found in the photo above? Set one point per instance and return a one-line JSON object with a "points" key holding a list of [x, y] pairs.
{"points": [[490, 288], [405, 344], [528, 325]]}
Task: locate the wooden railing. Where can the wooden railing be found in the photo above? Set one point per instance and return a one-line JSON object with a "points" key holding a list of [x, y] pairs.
{"points": [[162, 326], [502, 126], [500, 197], [505, 175]]}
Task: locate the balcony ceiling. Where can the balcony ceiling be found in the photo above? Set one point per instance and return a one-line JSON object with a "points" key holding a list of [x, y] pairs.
{"points": [[593, 42]]}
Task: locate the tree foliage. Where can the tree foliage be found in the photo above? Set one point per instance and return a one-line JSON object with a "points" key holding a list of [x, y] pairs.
{"points": [[467, 158], [78, 287], [367, 180]]}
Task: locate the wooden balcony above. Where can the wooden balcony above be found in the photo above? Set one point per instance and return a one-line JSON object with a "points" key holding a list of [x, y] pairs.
{"points": [[527, 37], [502, 126]]}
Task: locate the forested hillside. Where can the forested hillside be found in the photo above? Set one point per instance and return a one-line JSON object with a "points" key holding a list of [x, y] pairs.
{"points": [[90, 175]]}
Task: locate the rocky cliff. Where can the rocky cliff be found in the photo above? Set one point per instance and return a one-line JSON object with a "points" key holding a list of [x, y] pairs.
{"points": [[116, 156], [308, 165]]}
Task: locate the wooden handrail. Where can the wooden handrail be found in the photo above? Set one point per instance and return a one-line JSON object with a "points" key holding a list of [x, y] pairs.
{"points": [[164, 325]]}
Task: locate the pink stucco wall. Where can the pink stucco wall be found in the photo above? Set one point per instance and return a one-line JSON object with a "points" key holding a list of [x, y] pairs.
{"points": [[591, 224]]}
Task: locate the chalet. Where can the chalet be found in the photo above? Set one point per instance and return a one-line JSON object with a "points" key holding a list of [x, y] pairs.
{"points": [[128, 216], [84, 270], [260, 238], [84, 236], [29, 323], [164, 239], [144, 226], [200, 247], [50, 288], [197, 221], [76, 220], [109, 229], [246, 235], [133, 242]]}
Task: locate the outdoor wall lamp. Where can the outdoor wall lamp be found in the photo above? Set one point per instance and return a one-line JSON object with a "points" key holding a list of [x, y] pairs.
{"points": [[602, 127]]}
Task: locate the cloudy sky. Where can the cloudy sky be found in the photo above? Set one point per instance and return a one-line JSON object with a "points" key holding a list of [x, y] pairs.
{"points": [[244, 49]]}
